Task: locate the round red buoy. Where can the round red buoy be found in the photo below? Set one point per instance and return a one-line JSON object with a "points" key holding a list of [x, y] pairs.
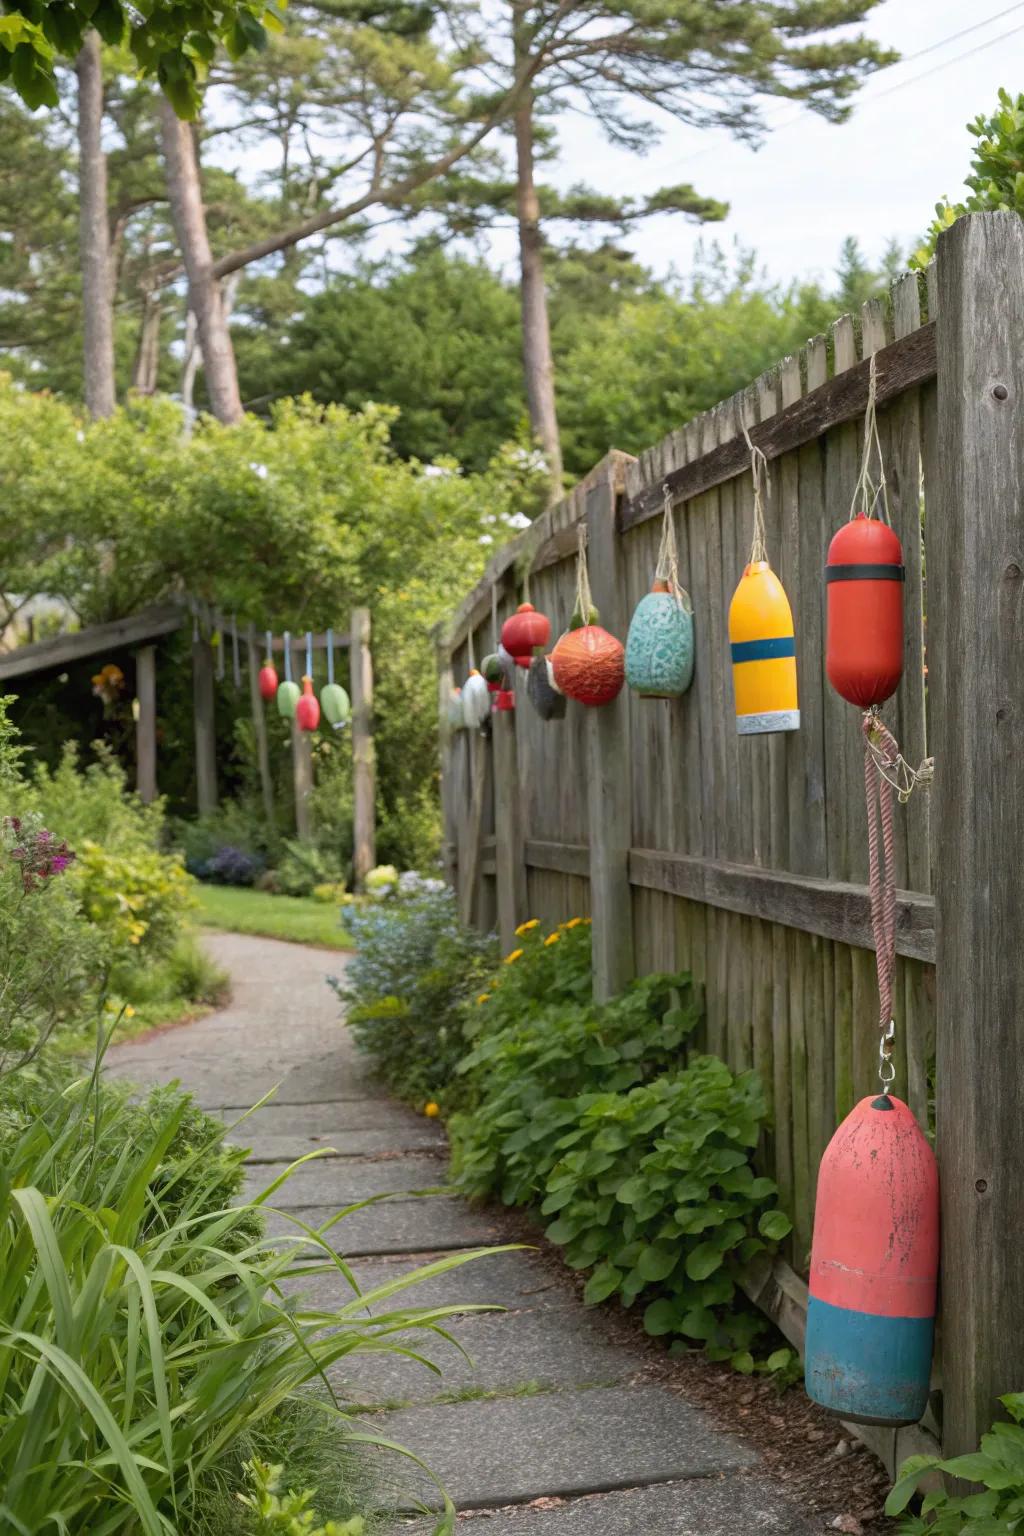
{"points": [[307, 709], [864, 577], [874, 1266], [268, 681], [523, 631]]}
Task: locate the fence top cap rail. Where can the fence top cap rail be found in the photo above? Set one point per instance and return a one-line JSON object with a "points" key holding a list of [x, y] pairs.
{"points": [[537, 546]]}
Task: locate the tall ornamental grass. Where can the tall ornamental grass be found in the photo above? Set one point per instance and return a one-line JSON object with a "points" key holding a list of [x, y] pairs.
{"points": [[146, 1328]]}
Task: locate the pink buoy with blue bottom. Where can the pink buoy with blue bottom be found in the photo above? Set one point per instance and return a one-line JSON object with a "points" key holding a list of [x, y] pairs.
{"points": [[874, 1267]]}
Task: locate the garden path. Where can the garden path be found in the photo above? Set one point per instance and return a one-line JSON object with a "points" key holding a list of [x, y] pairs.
{"points": [[557, 1427]]}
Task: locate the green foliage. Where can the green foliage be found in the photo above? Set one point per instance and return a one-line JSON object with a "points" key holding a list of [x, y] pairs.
{"points": [[302, 867], [998, 1466], [288, 1514], [171, 43], [142, 1327], [996, 180], [136, 900], [414, 969], [642, 1163]]}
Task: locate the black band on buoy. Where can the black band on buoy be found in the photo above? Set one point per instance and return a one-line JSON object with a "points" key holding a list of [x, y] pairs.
{"points": [[884, 572]]}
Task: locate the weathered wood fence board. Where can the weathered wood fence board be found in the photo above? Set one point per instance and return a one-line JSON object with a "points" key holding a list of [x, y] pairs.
{"points": [[746, 857]]}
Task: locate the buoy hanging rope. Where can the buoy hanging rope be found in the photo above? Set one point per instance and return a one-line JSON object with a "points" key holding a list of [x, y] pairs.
{"points": [[287, 657], [236, 664], [880, 750], [270, 647], [330, 658], [584, 603], [869, 494], [667, 569], [762, 484], [309, 653]]}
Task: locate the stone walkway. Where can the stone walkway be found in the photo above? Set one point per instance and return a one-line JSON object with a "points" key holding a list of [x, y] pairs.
{"points": [[553, 1429]]}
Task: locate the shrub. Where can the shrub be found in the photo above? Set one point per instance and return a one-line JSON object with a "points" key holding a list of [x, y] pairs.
{"points": [[414, 969], [287, 1515], [231, 866], [998, 1466], [137, 900], [92, 803], [143, 1332], [641, 1161], [303, 867]]}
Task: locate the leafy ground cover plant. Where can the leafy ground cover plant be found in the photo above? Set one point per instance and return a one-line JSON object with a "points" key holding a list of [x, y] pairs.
{"points": [[143, 1325], [641, 1159], [414, 969], [998, 1465]]}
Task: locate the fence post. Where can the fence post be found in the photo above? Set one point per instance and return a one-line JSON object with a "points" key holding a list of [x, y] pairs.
{"points": [[302, 781], [609, 786], [259, 725], [145, 725], [364, 841], [976, 680], [509, 857], [205, 727]]}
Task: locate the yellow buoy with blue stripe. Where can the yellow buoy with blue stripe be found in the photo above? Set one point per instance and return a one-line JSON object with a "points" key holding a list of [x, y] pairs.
{"points": [[763, 653]]}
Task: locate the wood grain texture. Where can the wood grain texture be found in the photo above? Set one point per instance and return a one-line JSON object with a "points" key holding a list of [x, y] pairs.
{"points": [[63, 650], [509, 861], [145, 725], [302, 782], [364, 763], [902, 365], [975, 555], [204, 725]]}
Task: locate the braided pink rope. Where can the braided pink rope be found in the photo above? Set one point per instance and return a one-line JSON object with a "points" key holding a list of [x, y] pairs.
{"points": [[882, 871]]}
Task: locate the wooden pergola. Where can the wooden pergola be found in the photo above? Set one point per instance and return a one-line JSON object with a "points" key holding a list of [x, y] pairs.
{"points": [[139, 633]]}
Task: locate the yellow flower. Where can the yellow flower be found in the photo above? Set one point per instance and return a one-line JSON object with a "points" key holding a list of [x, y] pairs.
{"points": [[552, 938], [574, 922], [129, 1012], [525, 927], [513, 956], [482, 998], [431, 1110]]}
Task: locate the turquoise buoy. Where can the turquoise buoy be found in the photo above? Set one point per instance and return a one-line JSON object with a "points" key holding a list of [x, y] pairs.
{"points": [[659, 645]]}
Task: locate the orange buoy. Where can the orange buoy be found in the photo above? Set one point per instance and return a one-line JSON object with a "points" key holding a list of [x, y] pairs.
{"points": [[589, 665], [864, 577], [874, 1267]]}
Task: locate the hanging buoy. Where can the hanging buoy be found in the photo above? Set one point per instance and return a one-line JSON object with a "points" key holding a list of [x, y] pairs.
{"points": [[525, 630], [287, 692], [307, 710], [493, 672], [334, 701], [476, 700], [268, 673], [456, 717], [549, 664], [504, 699], [874, 1265], [763, 653], [589, 665], [548, 703], [659, 645], [864, 578]]}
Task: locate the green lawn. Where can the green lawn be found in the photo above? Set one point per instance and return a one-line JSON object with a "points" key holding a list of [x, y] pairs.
{"points": [[298, 918]]}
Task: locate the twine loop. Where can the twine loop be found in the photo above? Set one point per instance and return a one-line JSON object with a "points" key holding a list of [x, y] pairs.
{"points": [[762, 487], [584, 604], [870, 496], [667, 569]]}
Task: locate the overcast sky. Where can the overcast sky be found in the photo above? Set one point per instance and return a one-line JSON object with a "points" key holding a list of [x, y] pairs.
{"points": [[877, 176]]}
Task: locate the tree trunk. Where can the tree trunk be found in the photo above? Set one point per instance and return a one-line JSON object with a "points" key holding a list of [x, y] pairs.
{"points": [[537, 361], [204, 290], [147, 356], [94, 233]]}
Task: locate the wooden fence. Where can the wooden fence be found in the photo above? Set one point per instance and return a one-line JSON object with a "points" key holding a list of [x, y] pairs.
{"points": [[744, 859]]}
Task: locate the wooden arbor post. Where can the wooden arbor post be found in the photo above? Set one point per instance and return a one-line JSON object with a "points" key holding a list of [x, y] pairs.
{"points": [[608, 765], [976, 681], [145, 724], [205, 725], [259, 725], [364, 840]]}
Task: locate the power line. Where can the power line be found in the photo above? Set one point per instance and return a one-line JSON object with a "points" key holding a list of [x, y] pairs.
{"points": [[798, 117]]}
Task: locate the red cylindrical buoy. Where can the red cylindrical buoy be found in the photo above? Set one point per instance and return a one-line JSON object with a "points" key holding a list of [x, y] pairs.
{"points": [[307, 709], [864, 575], [268, 681], [874, 1266], [524, 630]]}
